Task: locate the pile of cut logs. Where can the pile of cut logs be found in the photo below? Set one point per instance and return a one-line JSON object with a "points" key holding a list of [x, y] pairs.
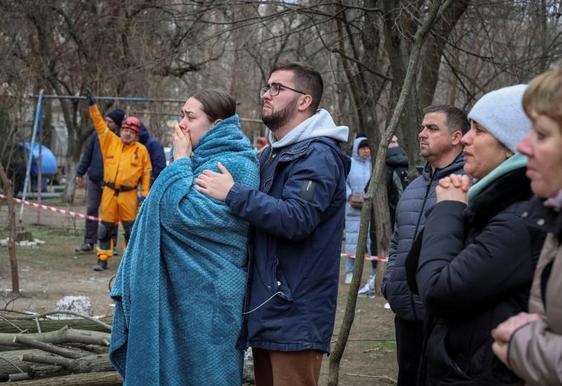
{"points": [[38, 350]]}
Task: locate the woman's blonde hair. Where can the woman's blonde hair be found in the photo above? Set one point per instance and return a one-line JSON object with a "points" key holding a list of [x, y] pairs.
{"points": [[544, 96]]}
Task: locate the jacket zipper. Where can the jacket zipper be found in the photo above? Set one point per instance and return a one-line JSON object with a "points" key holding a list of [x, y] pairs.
{"points": [[428, 184]]}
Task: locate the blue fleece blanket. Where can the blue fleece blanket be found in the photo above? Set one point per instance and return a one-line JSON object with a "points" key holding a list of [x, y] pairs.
{"points": [[180, 285]]}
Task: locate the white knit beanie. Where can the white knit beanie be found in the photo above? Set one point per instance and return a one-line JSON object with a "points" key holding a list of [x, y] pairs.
{"points": [[501, 113]]}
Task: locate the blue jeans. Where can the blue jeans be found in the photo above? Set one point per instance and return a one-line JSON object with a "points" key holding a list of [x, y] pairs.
{"points": [[350, 263]]}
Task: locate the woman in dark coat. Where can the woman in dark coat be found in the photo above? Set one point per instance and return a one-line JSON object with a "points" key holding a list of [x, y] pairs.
{"points": [[473, 264]]}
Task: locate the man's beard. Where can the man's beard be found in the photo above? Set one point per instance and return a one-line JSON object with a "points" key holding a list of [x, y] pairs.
{"points": [[279, 118]]}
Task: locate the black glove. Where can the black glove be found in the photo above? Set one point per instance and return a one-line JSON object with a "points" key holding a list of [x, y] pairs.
{"points": [[91, 99]]}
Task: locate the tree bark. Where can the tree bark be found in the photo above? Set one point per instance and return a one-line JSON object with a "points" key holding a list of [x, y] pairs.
{"points": [[27, 341], [382, 231], [10, 363], [30, 325], [65, 335], [433, 51], [107, 378], [413, 65], [91, 363], [7, 187]]}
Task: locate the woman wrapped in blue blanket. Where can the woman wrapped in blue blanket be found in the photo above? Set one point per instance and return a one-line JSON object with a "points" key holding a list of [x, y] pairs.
{"points": [[180, 285]]}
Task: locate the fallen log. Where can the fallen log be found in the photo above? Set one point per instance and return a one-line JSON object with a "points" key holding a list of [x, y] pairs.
{"points": [[65, 335], [47, 325], [109, 378], [11, 363], [48, 347], [90, 363]]}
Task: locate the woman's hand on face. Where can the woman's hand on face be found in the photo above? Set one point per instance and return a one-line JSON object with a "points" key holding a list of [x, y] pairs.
{"points": [[182, 144], [453, 188]]}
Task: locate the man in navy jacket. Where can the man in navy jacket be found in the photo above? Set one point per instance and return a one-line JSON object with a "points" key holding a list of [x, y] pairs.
{"points": [[155, 151], [298, 218], [440, 144]]}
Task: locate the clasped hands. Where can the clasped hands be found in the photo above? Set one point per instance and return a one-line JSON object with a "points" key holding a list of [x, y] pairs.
{"points": [[453, 188]]}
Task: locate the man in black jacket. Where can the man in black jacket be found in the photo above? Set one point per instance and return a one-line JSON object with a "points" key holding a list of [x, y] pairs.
{"points": [[440, 144]]}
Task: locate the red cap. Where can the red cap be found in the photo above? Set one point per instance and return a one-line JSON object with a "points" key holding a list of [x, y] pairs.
{"points": [[132, 123]]}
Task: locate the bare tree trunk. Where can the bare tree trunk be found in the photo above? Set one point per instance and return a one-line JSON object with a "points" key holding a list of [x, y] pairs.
{"points": [[70, 187], [435, 8], [433, 51], [382, 230], [7, 187]]}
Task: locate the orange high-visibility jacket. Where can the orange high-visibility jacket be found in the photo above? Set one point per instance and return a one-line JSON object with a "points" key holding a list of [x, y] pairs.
{"points": [[123, 165]]}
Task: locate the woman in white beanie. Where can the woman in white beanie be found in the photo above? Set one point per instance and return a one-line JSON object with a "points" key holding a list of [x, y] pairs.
{"points": [[531, 343], [473, 264]]}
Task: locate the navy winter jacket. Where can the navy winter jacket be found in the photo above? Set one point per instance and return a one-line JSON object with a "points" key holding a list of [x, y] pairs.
{"points": [[418, 197], [92, 162], [298, 217], [155, 151]]}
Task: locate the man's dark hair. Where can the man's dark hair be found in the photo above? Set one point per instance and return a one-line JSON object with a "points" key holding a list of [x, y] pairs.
{"points": [[217, 104], [456, 118], [306, 78]]}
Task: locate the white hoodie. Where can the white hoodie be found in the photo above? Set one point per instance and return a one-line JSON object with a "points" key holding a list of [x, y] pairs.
{"points": [[320, 124]]}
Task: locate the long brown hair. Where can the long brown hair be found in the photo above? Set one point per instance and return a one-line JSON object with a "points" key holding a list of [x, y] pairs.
{"points": [[217, 104]]}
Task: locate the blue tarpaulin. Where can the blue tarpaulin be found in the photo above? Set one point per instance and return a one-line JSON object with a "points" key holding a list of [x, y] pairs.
{"points": [[48, 159]]}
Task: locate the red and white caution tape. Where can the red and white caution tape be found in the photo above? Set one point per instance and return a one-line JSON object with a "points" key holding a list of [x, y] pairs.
{"points": [[50, 208], [377, 258], [367, 257]]}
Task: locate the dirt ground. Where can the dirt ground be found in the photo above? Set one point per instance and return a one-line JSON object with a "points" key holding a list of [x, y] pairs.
{"points": [[53, 270]]}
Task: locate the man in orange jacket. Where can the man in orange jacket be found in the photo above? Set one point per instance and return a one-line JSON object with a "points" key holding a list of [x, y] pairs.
{"points": [[126, 164]]}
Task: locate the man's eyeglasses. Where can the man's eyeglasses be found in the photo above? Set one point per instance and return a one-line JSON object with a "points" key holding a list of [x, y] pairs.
{"points": [[275, 88]]}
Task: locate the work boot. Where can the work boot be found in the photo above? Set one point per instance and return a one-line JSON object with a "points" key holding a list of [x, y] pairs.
{"points": [[100, 266], [86, 247]]}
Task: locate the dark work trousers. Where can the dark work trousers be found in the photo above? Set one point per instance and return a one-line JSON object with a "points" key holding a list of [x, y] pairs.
{"points": [[409, 344], [93, 200]]}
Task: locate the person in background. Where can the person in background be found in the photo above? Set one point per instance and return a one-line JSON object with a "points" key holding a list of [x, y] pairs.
{"points": [[92, 163], [261, 142], [297, 215], [396, 180], [155, 151], [473, 262], [180, 287], [530, 344], [359, 175], [440, 144], [126, 166], [396, 176]]}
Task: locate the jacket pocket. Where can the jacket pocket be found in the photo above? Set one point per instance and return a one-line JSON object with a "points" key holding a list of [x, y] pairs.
{"points": [[440, 365], [280, 283]]}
